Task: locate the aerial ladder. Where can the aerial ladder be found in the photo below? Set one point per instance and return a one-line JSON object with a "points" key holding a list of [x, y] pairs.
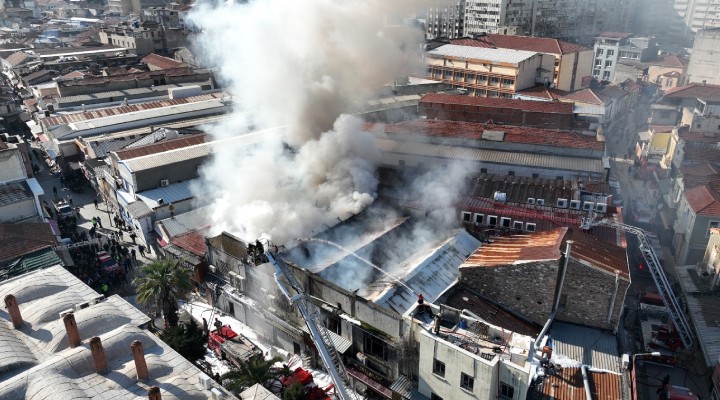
{"points": [[658, 275], [319, 334]]}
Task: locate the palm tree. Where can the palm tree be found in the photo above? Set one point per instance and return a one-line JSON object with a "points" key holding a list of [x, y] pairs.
{"points": [[163, 283], [255, 370]]}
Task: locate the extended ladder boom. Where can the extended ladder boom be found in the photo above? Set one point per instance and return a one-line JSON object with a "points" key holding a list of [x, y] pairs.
{"points": [[319, 334], [658, 276]]}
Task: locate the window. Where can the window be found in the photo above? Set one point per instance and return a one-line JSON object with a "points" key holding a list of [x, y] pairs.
{"points": [[479, 218], [668, 83], [483, 170], [610, 53], [466, 216], [492, 220], [333, 325], [517, 225], [711, 225], [606, 75], [596, 72], [600, 51], [433, 396], [608, 63], [438, 367], [375, 347], [530, 227], [563, 300], [506, 391], [505, 222], [511, 173], [466, 381], [598, 62]]}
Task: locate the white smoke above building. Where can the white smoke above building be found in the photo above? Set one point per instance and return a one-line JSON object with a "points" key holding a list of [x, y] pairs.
{"points": [[300, 65]]}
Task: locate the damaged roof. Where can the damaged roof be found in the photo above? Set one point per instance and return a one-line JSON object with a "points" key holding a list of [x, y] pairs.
{"points": [[518, 249]]}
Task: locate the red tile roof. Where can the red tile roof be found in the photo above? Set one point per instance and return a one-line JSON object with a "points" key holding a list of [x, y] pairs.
{"points": [[193, 242], [695, 91], [614, 35], [16, 59], [16, 240], [542, 92], [586, 95], [161, 62], [160, 147], [527, 43], [525, 105], [703, 201], [669, 60], [701, 155], [518, 249], [130, 76], [475, 130], [701, 169]]}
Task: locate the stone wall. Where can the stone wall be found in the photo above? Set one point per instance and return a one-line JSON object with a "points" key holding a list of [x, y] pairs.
{"points": [[587, 295], [527, 289]]}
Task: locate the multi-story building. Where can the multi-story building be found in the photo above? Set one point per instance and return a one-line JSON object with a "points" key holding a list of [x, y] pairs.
{"points": [[497, 16], [580, 20], [698, 212], [485, 72], [151, 37], [698, 14], [614, 47], [445, 19], [705, 57]]}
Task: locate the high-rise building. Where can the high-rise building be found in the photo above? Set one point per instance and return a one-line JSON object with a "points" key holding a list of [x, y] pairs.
{"points": [[705, 57], [444, 19], [675, 21], [580, 20], [497, 16]]}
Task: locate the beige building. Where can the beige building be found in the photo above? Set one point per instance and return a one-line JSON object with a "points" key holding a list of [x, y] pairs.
{"points": [[705, 57], [485, 72], [668, 71]]}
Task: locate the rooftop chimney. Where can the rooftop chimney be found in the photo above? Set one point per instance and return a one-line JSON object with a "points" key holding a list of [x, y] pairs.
{"points": [[139, 356], [72, 330], [98, 355], [13, 310], [154, 393]]}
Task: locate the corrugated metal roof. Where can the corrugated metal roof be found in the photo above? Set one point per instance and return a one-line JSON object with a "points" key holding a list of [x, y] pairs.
{"points": [[341, 344], [578, 164], [407, 389], [704, 311], [138, 209], [38, 260], [482, 53], [585, 345], [168, 157], [169, 194], [436, 271], [518, 249], [568, 385], [186, 222]]}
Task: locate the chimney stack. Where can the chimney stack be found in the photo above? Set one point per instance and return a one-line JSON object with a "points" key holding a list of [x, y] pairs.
{"points": [[98, 355], [154, 393], [139, 356], [72, 330], [13, 310]]}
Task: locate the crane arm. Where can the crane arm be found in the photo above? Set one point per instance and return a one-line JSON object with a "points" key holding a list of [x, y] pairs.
{"points": [[318, 333], [658, 275]]}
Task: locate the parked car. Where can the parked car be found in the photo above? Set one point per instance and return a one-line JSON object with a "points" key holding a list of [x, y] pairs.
{"points": [[613, 182]]}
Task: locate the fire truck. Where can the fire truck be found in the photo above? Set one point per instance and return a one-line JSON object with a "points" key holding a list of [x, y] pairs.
{"points": [[231, 346]]}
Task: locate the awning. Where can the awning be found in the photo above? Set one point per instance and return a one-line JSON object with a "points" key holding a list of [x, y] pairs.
{"points": [[340, 343], [370, 383]]}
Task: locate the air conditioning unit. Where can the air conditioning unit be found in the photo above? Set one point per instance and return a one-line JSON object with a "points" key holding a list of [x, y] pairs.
{"points": [[205, 381], [80, 306], [216, 394], [588, 206], [562, 203], [231, 277], [240, 283], [362, 358], [531, 200], [575, 204], [601, 207], [98, 299], [164, 182], [540, 202], [212, 268], [63, 313]]}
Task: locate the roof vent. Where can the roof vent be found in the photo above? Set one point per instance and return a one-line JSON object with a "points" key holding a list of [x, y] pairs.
{"points": [[496, 136], [500, 196]]}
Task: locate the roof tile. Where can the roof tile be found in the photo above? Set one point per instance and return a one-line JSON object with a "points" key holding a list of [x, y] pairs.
{"points": [[525, 105], [695, 91], [703, 201]]}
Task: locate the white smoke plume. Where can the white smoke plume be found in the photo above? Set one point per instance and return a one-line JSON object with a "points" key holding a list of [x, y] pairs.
{"points": [[299, 65]]}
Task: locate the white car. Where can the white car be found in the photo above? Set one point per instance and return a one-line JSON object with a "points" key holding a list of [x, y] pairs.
{"points": [[613, 182]]}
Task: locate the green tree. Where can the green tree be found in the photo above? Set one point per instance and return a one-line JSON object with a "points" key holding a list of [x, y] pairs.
{"points": [[163, 283], [295, 391], [255, 370], [187, 339]]}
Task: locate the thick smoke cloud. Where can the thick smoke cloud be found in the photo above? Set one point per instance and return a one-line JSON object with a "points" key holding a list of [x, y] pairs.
{"points": [[299, 65]]}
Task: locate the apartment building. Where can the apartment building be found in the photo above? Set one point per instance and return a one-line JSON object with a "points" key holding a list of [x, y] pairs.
{"points": [[580, 20], [698, 212], [444, 19], [612, 48], [485, 72], [497, 16], [705, 56]]}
